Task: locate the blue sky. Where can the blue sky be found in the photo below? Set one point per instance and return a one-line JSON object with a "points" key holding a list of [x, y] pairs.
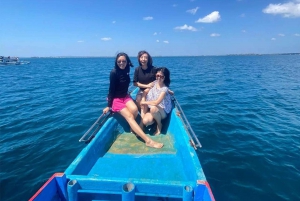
{"points": [[162, 27]]}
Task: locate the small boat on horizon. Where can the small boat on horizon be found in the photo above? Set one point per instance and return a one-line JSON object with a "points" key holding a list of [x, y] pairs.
{"points": [[6, 61], [117, 165]]}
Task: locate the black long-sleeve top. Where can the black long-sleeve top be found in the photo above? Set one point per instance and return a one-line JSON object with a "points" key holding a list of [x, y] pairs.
{"points": [[144, 76], [119, 83]]}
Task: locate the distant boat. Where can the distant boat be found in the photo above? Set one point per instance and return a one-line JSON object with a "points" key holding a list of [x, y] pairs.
{"points": [[116, 165], [7, 61]]}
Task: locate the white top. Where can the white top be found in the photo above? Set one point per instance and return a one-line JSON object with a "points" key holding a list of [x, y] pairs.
{"points": [[154, 93]]}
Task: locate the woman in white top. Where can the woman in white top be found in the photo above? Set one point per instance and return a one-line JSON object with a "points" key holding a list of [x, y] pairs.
{"points": [[158, 100]]}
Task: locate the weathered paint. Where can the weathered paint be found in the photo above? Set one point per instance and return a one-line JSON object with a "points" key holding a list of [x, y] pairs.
{"points": [[55, 187]]}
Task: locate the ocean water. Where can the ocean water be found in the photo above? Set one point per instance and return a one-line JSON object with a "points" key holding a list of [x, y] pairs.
{"points": [[245, 111]]}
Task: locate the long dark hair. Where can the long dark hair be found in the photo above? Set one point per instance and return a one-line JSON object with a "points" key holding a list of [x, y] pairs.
{"points": [[128, 64], [166, 73], [150, 61]]}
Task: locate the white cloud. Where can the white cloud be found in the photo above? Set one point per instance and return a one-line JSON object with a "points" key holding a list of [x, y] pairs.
{"points": [[80, 41], [155, 34], [165, 41], [281, 35], [157, 41], [244, 31], [273, 38], [113, 22], [289, 9], [193, 11], [186, 27], [148, 18], [106, 39], [297, 34], [211, 18], [215, 35]]}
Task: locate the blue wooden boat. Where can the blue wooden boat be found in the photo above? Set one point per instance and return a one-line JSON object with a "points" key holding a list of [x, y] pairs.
{"points": [[116, 165]]}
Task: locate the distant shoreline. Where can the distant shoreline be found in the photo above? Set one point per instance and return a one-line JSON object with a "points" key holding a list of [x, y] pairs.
{"points": [[166, 56]]}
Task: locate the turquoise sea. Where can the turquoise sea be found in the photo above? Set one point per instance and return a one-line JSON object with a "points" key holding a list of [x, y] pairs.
{"points": [[244, 109]]}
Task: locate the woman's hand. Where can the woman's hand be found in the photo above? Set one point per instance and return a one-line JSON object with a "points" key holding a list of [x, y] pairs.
{"points": [[105, 110]]}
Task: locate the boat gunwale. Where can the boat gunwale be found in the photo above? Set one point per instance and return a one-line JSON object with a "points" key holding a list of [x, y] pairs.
{"points": [[187, 155], [147, 187]]}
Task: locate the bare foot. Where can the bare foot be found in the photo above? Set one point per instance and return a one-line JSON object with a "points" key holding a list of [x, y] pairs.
{"points": [[152, 143]]}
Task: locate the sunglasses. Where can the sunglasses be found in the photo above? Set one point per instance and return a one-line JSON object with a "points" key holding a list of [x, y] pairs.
{"points": [[161, 76], [121, 61]]}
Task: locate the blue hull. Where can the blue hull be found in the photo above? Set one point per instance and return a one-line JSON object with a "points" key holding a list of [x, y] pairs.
{"points": [[116, 165]]}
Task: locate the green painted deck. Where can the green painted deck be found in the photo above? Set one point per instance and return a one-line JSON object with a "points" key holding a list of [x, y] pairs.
{"points": [[145, 162], [129, 143]]}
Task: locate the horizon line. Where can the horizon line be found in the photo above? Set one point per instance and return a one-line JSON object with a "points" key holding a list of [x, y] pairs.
{"points": [[290, 53]]}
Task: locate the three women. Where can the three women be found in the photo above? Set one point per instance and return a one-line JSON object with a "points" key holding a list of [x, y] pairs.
{"points": [[119, 100]]}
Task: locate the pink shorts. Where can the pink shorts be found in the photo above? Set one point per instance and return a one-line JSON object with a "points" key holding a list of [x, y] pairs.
{"points": [[120, 103]]}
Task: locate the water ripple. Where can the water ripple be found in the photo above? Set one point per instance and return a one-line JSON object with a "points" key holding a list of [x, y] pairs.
{"points": [[244, 109]]}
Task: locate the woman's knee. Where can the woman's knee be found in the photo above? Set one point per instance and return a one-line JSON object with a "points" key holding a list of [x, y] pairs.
{"points": [[147, 120], [127, 114], [154, 110]]}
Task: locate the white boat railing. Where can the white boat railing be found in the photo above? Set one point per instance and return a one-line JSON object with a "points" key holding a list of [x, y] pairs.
{"points": [[187, 125], [100, 121]]}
